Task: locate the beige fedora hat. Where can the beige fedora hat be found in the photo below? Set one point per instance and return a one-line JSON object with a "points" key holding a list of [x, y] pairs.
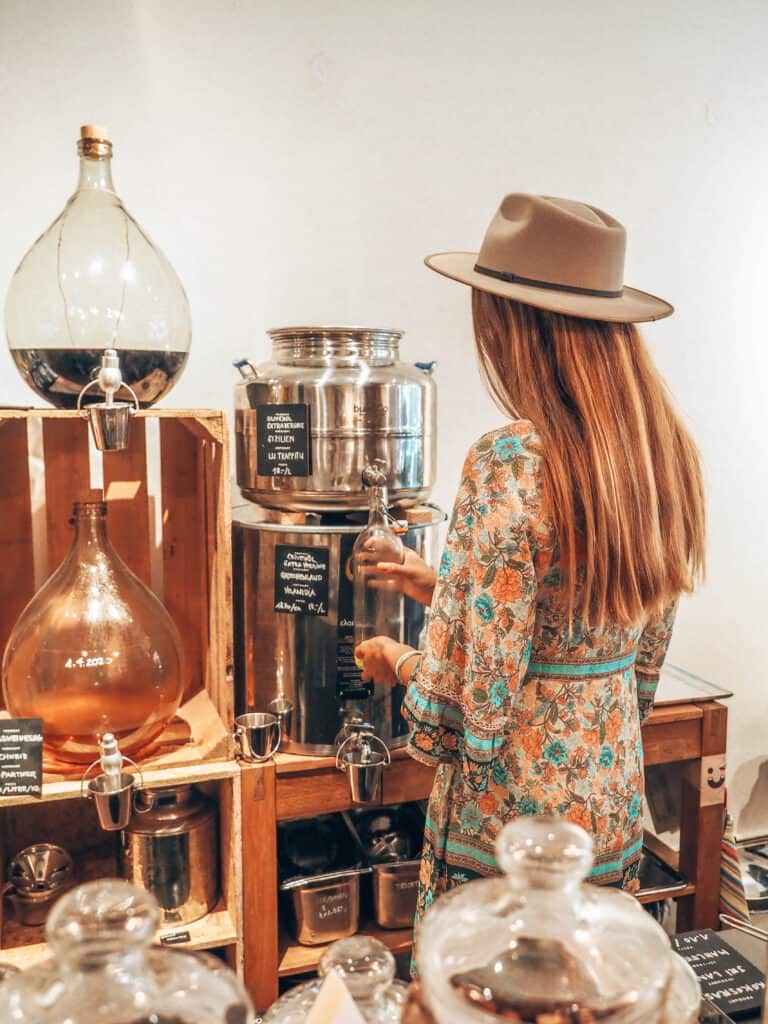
{"points": [[555, 254]]}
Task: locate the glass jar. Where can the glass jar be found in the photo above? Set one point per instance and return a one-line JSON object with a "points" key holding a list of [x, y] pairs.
{"points": [[367, 969], [93, 652], [538, 945], [95, 281], [104, 969]]}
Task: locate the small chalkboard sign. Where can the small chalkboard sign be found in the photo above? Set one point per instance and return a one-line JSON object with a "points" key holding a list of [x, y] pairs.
{"points": [[283, 440], [301, 580], [728, 980], [21, 757]]}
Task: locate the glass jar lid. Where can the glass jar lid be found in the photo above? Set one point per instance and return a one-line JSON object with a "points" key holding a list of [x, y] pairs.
{"points": [[364, 963], [538, 944]]}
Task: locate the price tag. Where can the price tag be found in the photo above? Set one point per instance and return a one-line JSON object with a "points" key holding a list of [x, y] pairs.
{"points": [[728, 980], [301, 580], [21, 757]]}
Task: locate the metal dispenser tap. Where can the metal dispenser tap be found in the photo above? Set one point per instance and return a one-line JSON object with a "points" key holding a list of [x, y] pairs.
{"points": [[109, 419]]}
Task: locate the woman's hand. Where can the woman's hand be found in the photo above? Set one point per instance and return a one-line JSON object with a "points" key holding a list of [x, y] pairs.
{"points": [[413, 576], [377, 658]]}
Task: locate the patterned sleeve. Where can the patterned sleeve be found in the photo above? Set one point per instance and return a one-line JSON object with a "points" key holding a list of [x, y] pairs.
{"points": [[479, 637], [651, 652]]}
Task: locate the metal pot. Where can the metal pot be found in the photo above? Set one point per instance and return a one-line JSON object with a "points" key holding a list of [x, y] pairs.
{"points": [[332, 400], [170, 847]]}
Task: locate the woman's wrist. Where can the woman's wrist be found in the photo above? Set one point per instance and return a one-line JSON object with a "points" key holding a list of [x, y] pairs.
{"points": [[405, 657]]}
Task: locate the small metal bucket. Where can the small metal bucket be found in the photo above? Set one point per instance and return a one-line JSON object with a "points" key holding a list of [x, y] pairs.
{"points": [[114, 805], [257, 736], [283, 709], [110, 424], [364, 767]]}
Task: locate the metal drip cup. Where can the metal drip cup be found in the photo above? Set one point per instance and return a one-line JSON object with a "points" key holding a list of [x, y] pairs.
{"points": [[363, 766], [112, 796], [283, 708], [113, 806], [109, 424], [257, 735]]}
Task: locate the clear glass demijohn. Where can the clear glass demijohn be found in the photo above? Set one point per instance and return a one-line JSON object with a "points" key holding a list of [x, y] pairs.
{"points": [[366, 967], [539, 945], [93, 281], [378, 601], [94, 651], [104, 969]]}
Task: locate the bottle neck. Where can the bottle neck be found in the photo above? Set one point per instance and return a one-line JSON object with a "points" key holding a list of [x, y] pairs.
{"points": [[95, 173], [378, 500], [90, 532]]}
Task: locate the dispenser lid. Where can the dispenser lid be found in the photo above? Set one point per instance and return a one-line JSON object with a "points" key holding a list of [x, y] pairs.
{"points": [[538, 942]]}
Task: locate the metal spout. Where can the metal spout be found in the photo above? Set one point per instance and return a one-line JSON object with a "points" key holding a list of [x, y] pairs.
{"points": [[109, 419]]}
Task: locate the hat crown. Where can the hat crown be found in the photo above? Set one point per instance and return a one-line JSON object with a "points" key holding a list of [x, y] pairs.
{"points": [[547, 240]]}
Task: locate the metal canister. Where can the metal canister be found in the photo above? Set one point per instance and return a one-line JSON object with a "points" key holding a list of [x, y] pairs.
{"points": [[332, 400], [294, 626], [170, 847]]}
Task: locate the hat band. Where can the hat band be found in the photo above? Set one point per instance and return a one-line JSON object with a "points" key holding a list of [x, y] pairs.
{"points": [[516, 279]]}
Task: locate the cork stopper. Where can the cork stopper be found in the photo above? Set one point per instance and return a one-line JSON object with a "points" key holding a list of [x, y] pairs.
{"points": [[95, 131]]}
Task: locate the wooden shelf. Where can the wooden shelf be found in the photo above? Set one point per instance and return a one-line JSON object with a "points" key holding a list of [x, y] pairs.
{"points": [[298, 959], [308, 785], [213, 931], [154, 771]]}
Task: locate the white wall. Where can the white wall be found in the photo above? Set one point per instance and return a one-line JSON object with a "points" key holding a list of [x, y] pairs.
{"points": [[296, 160]]}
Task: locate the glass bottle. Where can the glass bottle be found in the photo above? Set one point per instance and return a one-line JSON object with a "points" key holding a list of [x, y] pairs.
{"points": [[378, 601], [366, 967], [93, 652], [104, 969], [94, 281], [538, 945]]}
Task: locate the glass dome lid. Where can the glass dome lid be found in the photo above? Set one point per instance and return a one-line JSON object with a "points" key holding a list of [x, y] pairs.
{"points": [[538, 944]]}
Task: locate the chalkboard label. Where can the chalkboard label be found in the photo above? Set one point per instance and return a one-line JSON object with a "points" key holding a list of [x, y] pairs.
{"points": [[21, 757], [728, 980], [284, 437], [301, 580]]}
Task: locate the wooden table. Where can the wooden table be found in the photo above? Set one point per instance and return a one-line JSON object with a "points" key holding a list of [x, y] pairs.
{"points": [[292, 787]]}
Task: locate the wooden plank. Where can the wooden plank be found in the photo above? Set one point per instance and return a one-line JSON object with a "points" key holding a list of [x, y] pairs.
{"points": [[701, 824], [326, 790], [67, 479], [665, 713], [184, 546], [672, 741], [16, 557], [125, 488], [219, 673], [298, 959], [260, 938]]}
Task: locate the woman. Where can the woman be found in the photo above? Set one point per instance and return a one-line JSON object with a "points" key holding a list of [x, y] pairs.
{"points": [[575, 529]]}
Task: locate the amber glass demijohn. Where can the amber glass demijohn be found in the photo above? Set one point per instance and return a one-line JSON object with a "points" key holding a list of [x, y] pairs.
{"points": [[94, 651]]}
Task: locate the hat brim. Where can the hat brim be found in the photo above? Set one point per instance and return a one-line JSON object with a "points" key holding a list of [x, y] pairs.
{"points": [[631, 307]]}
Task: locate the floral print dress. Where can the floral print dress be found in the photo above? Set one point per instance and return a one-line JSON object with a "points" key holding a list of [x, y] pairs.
{"points": [[519, 715]]}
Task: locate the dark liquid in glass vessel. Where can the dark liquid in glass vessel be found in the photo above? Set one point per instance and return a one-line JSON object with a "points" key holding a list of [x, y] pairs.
{"points": [[59, 374]]}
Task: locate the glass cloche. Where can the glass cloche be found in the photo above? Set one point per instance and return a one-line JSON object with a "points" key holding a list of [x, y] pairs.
{"points": [[538, 945], [366, 967], [105, 971], [95, 281]]}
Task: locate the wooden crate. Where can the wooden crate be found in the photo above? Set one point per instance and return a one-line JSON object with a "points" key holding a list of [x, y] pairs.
{"points": [[66, 819], [169, 518]]}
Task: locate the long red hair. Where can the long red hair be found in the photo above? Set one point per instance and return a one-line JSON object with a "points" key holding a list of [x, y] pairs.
{"points": [[622, 474]]}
